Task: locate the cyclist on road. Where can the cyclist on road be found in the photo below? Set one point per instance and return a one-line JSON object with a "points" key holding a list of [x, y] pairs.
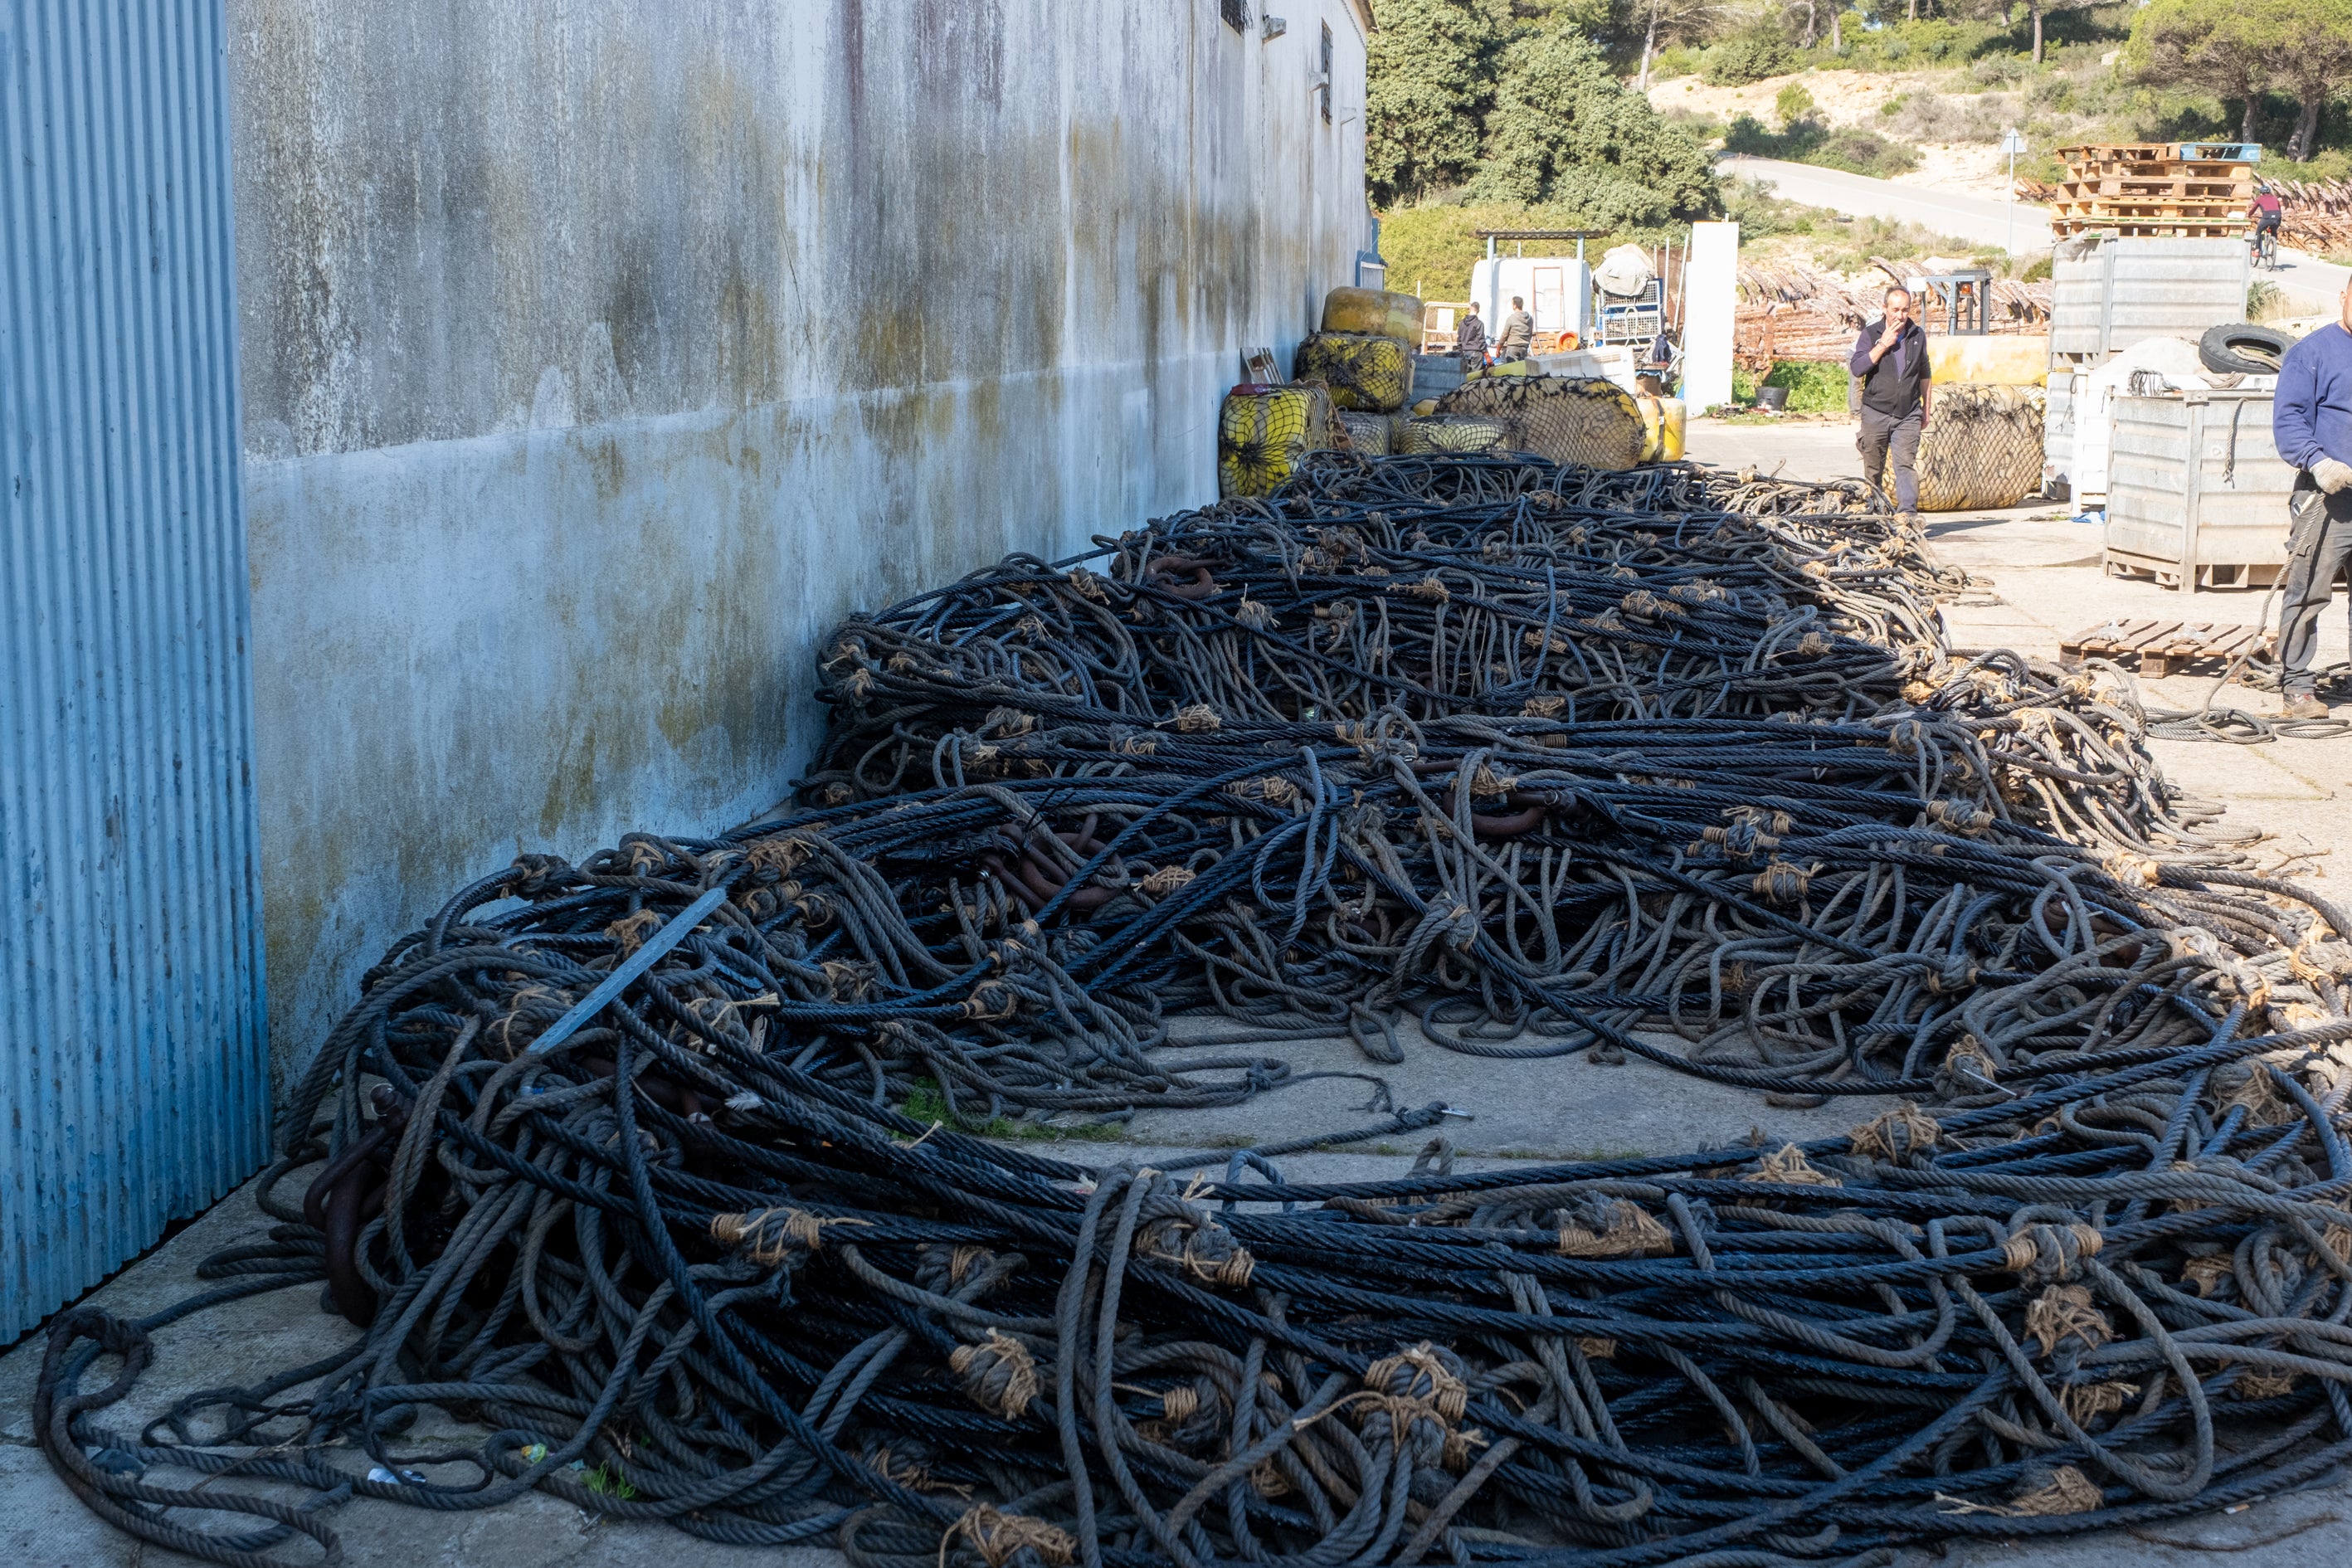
{"points": [[2267, 212]]}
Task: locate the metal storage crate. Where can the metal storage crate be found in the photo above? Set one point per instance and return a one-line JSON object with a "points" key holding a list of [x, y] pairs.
{"points": [[1434, 375], [2196, 492], [2108, 294]]}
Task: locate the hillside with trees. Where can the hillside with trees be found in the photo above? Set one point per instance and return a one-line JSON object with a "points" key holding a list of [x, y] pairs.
{"points": [[1607, 114]]}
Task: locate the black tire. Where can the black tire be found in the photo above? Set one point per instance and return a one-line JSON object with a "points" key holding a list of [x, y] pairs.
{"points": [[2241, 348]]}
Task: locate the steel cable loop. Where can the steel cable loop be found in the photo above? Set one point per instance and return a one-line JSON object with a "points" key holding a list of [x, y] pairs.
{"points": [[1662, 762]]}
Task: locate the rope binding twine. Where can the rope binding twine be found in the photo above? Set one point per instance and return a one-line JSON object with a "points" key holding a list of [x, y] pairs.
{"points": [[1207, 1251], [2087, 1401], [2063, 1312], [1784, 881], [1627, 1230], [767, 1235], [998, 1374], [2041, 1494], [1968, 1068], [1790, 1168], [1893, 1135], [1000, 1538], [2041, 1253]]}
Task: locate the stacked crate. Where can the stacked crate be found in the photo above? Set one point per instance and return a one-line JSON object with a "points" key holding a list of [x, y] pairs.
{"points": [[2155, 190]]}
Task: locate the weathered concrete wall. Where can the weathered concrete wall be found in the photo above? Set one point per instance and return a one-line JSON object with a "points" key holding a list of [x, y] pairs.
{"points": [[599, 355]]}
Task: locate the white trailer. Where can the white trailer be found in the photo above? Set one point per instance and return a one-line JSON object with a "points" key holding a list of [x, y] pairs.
{"points": [[1557, 289]]}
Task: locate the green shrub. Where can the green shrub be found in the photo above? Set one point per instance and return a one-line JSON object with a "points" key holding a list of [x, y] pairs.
{"points": [[2037, 271], [1747, 56], [1861, 152], [1678, 61], [2050, 91], [1792, 103], [1760, 214], [1997, 70], [1808, 140], [1815, 386], [1702, 126], [1913, 45]]}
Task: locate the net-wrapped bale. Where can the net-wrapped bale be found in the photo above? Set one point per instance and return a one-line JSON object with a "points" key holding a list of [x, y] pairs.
{"points": [[1367, 433], [1262, 432], [1379, 312], [1569, 419], [1982, 448], [1374, 374], [1452, 432]]}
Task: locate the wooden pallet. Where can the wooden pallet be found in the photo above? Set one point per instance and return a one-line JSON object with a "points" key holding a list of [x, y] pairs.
{"points": [[2158, 188], [2161, 169], [2137, 210], [2148, 228], [2159, 646], [2196, 155], [2139, 152]]}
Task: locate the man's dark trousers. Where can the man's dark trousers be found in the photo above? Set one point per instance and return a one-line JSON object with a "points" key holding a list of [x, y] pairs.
{"points": [[1883, 435], [2327, 546]]}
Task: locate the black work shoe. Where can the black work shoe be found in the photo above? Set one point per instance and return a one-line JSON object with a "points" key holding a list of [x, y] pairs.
{"points": [[2304, 707]]}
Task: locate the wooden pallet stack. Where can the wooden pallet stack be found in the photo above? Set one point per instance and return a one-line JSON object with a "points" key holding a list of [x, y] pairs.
{"points": [[2160, 189]]}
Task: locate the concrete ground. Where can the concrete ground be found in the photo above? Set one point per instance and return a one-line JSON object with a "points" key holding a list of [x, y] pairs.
{"points": [[2040, 581]]}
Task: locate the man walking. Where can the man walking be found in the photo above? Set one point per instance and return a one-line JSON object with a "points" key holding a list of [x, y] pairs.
{"points": [[1891, 360], [2311, 419], [1519, 334]]}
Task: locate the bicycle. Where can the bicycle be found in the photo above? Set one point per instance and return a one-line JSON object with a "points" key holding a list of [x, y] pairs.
{"points": [[2264, 244]]}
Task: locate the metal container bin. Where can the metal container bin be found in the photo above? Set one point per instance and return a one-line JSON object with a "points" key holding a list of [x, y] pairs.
{"points": [[2108, 294], [2196, 492]]}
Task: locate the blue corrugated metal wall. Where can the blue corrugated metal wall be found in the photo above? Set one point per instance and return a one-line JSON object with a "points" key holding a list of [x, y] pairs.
{"points": [[133, 1062]]}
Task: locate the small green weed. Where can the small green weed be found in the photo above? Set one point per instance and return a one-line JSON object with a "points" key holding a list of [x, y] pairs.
{"points": [[926, 1103], [606, 1481]]}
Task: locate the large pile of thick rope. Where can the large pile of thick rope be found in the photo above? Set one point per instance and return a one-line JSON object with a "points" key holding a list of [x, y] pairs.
{"points": [[609, 1160]]}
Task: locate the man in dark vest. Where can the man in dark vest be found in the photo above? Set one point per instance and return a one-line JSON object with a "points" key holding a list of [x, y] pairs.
{"points": [[1890, 359]]}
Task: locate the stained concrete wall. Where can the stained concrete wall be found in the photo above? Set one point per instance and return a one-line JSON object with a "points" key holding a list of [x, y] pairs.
{"points": [[598, 357]]}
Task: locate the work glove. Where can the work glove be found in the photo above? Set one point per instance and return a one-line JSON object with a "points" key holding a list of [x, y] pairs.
{"points": [[2332, 475]]}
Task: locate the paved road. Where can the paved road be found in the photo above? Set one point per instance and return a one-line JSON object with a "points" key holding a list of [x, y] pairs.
{"points": [[2312, 284], [2315, 285], [1976, 219]]}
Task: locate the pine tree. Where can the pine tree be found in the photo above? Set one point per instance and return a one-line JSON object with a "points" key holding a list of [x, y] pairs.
{"points": [[1565, 130], [1431, 70]]}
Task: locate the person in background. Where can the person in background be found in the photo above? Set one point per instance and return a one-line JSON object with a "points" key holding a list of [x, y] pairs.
{"points": [[1519, 334], [2311, 420], [1657, 364], [1470, 340], [1890, 359], [2268, 212]]}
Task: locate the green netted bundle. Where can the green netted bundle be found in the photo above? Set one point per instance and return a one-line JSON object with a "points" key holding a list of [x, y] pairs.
{"points": [[1452, 432], [1569, 419], [1374, 374], [1264, 431]]}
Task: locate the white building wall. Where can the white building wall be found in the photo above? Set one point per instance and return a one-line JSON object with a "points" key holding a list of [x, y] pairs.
{"points": [[598, 357]]}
